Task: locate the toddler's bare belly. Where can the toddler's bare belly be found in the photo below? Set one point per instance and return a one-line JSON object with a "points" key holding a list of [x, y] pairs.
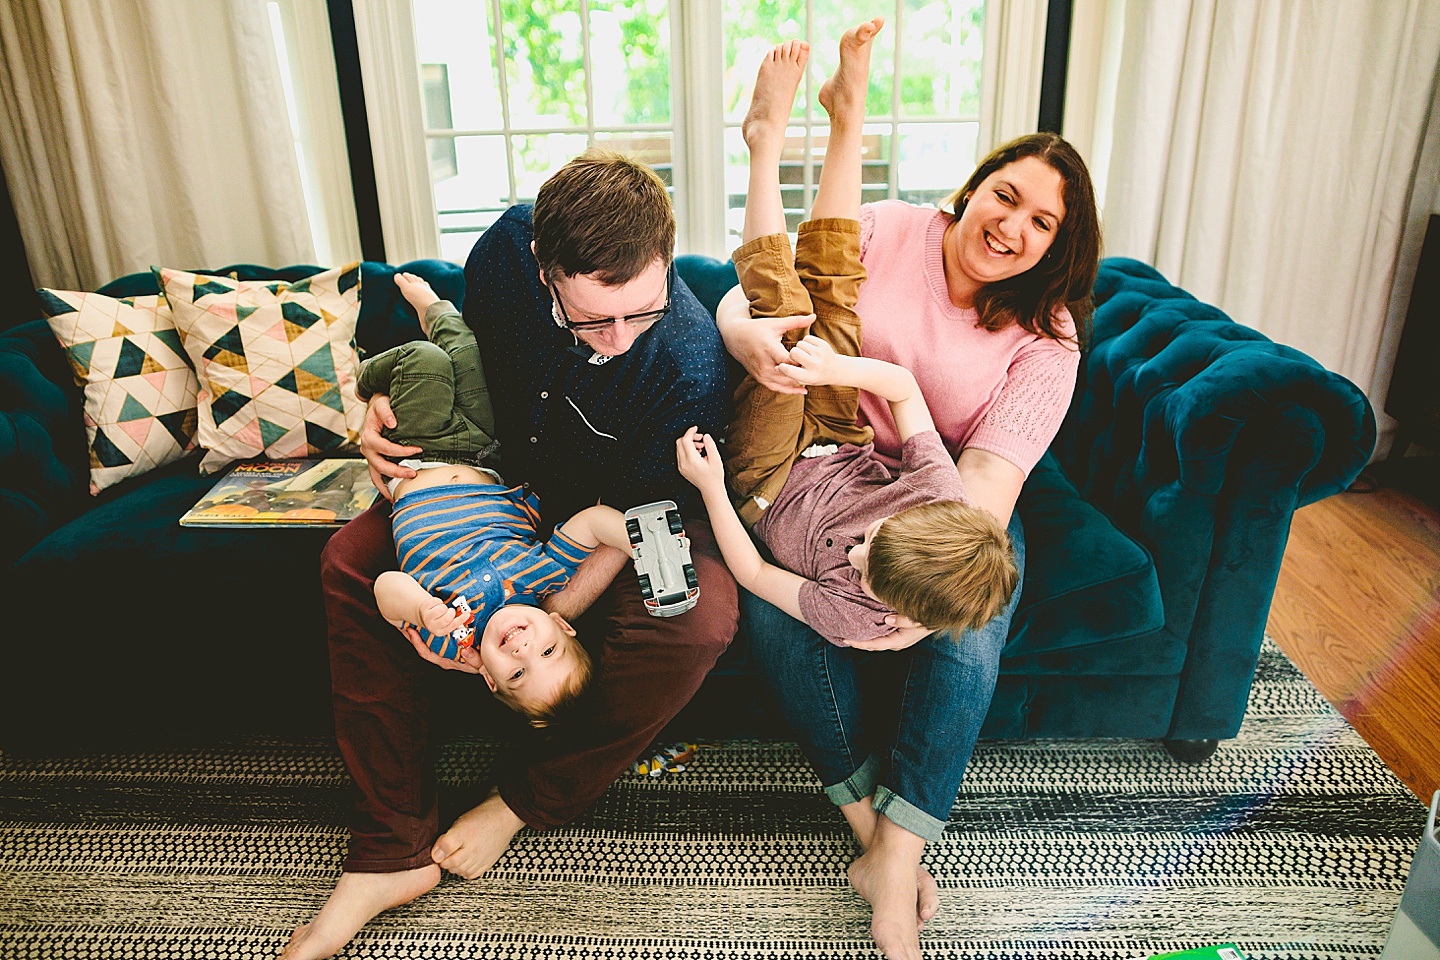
{"points": [[441, 476]]}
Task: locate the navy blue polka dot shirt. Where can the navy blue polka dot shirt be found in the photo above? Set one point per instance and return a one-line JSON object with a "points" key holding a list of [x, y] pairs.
{"points": [[578, 431]]}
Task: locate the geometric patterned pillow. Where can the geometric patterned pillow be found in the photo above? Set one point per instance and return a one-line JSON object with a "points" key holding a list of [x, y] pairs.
{"points": [[139, 388], [277, 362]]}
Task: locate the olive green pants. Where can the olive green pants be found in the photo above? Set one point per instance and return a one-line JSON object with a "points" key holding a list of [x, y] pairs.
{"points": [[437, 392]]}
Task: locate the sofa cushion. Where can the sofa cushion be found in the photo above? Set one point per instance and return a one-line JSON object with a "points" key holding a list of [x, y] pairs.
{"points": [[276, 360], [139, 387], [1085, 581]]}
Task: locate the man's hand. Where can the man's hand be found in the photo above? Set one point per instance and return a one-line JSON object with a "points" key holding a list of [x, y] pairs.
{"points": [[756, 345], [469, 661], [698, 457], [813, 362], [377, 449]]}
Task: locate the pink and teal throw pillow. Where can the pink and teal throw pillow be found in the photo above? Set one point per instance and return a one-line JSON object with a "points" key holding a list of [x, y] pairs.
{"points": [[277, 362], [139, 388]]}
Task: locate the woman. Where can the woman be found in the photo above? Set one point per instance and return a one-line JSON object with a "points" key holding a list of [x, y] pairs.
{"points": [[987, 307]]}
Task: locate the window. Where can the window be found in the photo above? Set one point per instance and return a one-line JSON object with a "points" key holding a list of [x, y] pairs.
{"points": [[923, 109], [511, 89]]}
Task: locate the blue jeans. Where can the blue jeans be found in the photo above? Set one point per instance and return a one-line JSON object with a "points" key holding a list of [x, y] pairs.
{"points": [[898, 726]]}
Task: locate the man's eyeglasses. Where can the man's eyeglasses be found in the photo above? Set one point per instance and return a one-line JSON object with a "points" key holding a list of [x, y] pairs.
{"points": [[634, 319]]}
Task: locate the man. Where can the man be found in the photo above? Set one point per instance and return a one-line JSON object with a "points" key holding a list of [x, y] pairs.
{"points": [[597, 357]]}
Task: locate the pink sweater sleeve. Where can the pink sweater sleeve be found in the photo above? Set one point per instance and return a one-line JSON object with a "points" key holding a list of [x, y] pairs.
{"points": [[1032, 404]]}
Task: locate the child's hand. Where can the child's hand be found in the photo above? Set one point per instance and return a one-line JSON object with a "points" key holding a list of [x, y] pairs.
{"points": [[698, 457], [814, 362], [416, 292], [438, 617]]}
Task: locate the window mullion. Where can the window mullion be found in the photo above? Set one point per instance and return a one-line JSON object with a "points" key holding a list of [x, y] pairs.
{"points": [[892, 169], [697, 72], [499, 27], [585, 67]]}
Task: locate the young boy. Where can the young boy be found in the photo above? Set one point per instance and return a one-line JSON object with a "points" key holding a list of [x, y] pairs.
{"points": [[860, 542], [469, 551]]}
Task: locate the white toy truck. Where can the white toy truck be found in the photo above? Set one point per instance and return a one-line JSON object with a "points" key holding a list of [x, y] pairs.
{"points": [[662, 558]]}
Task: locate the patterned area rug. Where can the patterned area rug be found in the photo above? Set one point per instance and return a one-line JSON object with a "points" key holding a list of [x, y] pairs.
{"points": [[1293, 841]]}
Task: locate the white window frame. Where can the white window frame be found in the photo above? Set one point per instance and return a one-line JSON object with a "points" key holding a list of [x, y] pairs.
{"points": [[385, 29]]}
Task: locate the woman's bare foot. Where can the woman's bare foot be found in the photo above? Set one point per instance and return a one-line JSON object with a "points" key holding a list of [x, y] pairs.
{"points": [[863, 821], [356, 900], [892, 890], [780, 73], [843, 94]]}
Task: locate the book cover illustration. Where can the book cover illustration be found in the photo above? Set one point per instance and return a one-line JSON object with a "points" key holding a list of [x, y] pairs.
{"points": [[286, 493]]}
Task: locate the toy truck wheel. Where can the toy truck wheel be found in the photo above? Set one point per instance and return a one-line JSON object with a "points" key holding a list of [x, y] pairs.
{"points": [[632, 527], [645, 590], [691, 579], [676, 524]]}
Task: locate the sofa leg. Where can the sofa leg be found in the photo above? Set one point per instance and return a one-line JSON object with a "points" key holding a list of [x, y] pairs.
{"points": [[1191, 751]]}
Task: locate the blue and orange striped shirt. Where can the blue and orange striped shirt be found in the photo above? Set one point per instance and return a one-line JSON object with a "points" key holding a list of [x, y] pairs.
{"points": [[479, 541]]}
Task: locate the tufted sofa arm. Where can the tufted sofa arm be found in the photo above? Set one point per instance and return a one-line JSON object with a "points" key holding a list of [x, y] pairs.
{"points": [[42, 441], [1200, 438]]}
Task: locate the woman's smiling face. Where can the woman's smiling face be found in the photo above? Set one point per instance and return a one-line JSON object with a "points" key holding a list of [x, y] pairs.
{"points": [[1008, 224]]}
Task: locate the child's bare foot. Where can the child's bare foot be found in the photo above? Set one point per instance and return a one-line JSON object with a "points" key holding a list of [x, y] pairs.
{"points": [[843, 94], [357, 899], [893, 890], [775, 86], [416, 292]]}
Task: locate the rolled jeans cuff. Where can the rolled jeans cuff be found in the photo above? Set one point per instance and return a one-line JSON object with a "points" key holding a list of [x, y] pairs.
{"points": [[858, 785], [906, 815]]}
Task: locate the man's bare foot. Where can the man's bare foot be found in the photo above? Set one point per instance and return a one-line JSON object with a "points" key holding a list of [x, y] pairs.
{"points": [[478, 838], [355, 901], [891, 886], [775, 86], [843, 94]]}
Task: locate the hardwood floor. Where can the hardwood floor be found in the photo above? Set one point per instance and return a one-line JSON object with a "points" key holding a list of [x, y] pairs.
{"points": [[1357, 608]]}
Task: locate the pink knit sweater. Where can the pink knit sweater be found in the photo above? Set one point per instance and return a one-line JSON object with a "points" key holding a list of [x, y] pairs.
{"points": [[1005, 391]]}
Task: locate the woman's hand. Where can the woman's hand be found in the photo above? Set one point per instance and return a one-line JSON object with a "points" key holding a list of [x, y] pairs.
{"points": [[698, 458], [755, 343], [907, 634], [469, 661], [377, 450]]}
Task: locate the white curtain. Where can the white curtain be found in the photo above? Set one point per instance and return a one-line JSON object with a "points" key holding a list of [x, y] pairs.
{"points": [[1264, 155], [140, 132]]}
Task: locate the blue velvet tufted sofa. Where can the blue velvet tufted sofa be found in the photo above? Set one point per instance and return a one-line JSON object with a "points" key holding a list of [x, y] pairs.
{"points": [[1155, 528]]}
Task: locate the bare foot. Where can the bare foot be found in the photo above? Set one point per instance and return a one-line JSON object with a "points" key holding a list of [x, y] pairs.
{"points": [[927, 898], [478, 838], [843, 94], [892, 888], [775, 86], [355, 901]]}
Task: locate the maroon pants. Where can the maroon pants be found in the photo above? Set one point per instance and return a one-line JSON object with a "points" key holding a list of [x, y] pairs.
{"points": [[648, 668]]}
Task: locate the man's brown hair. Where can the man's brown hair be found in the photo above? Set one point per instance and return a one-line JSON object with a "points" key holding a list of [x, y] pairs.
{"points": [[541, 715], [946, 565], [603, 214]]}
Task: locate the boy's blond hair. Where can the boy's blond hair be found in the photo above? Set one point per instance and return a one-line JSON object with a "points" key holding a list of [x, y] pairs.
{"points": [[947, 565], [541, 715]]}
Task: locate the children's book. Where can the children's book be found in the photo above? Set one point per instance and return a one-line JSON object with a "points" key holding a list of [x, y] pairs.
{"points": [[286, 493]]}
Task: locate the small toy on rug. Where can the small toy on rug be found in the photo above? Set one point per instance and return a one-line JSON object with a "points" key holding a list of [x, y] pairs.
{"points": [[664, 759], [1224, 951]]}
